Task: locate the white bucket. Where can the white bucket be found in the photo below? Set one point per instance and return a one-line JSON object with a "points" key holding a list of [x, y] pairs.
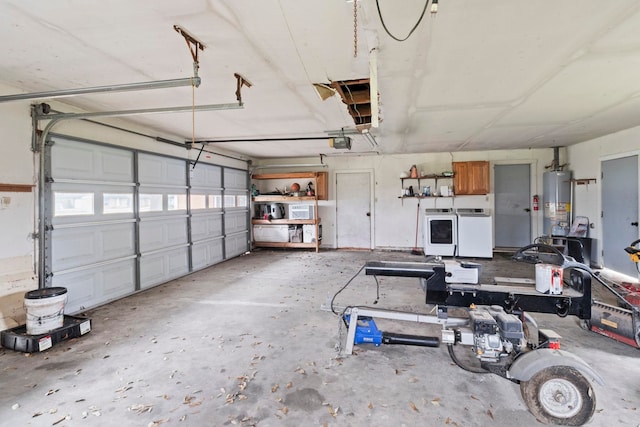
{"points": [[45, 309], [549, 279]]}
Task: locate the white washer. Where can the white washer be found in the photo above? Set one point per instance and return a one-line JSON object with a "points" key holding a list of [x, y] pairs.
{"points": [[475, 233], [440, 232]]}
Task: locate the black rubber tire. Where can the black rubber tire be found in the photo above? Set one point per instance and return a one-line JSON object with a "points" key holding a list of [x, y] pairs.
{"points": [[545, 390]]}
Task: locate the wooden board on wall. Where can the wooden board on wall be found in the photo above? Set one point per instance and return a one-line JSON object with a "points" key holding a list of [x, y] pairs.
{"points": [[16, 188]]}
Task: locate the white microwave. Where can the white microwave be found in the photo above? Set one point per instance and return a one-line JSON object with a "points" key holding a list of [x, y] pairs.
{"points": [[297, 211]]}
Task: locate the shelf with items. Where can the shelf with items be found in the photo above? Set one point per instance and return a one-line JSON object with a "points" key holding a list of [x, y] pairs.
{"points": [[296, 228], [429, 193]]}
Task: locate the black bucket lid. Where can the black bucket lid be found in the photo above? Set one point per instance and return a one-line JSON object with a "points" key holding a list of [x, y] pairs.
{"points": [[46, 293]]}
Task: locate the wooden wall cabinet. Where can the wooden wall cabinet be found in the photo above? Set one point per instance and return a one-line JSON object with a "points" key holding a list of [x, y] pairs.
{"points": [[471, 178]]}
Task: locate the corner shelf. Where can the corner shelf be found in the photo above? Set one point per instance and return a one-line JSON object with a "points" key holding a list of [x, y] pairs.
{"points": [[320, 184]]}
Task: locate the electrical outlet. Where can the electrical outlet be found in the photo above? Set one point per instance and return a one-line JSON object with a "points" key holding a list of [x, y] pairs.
{"points": [[5, 201]]}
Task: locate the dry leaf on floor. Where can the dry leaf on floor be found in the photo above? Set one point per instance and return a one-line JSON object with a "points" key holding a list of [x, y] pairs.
{"points": [[436, 401], [474, 398], [490, 413], [301, 371], [333, 412], [447, 421], [50, 392], [140, 408], [61, 420], [413, 406], [275, 388], [397, 372], [289, 384], [284, 410], [413, 380], [156, 423], [370, 405]]}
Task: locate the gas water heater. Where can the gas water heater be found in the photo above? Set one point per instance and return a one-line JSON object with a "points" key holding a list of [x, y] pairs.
{"points": [[556, 200]]}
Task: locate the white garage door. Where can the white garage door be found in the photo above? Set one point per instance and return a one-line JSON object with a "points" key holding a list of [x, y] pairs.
{"points": [[121, 220]]}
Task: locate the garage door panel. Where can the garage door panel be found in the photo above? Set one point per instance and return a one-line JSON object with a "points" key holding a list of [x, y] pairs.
{"points": [[73, 247], [236, 244], [207, 253], [159, 170], [235, 222], [235, 179], [206, 176], [163, 266], [95, 222], [155, 234], [94, 286], [206, 227], [73, 160]]}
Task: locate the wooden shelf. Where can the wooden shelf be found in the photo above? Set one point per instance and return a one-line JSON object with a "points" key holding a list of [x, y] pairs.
{"points": [[292, 175], [430, 176], [16, 188], [286, 245], [319, 181], [257, 221], [282, 198], [425, 197]]}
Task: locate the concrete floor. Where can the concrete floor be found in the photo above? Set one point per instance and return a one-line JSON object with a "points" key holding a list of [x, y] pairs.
{"points": [[246, 343]]}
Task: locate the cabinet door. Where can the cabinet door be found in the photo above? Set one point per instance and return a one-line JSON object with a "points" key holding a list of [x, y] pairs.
{"points": [[460, 180], [471, 177], [322, 186]]}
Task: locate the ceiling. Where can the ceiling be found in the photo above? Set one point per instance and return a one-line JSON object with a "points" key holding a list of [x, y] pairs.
{"points": [[476, 75]]}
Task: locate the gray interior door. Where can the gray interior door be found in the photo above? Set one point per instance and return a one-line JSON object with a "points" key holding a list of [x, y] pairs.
{"points": [[619, 212], [353, 204], [512, 212]]}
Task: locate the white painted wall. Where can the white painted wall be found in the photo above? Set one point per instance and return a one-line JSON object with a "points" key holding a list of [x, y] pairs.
{"points": [[395, 219], [584, 160], [18, 165], [16, 212]]}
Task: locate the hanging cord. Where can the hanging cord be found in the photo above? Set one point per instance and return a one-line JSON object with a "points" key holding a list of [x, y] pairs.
{"points": [[355, 28], [345, 287], [193, 115], [426, 4]]}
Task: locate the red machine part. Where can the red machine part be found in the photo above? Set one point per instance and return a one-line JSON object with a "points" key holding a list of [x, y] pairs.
{"points": [[633, 298]]}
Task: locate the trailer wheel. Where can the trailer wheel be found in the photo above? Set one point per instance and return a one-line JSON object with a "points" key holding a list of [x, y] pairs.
{"points": [[559, 395]]}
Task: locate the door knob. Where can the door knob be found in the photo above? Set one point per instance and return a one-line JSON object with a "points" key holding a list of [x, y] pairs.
{"points": [[369, 214], [527, 210], [635, 223]]}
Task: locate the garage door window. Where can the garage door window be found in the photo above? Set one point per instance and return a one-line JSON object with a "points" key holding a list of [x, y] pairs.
{"points": [[150, 202], [215, 201], [117, 203], [241, 201], [67, 204], [198, 201], [176, 202]]}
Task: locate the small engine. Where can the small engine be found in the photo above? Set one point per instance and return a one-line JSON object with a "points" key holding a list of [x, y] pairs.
{"points": [[493, 333]]}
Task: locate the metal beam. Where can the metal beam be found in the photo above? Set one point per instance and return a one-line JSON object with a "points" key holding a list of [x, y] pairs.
{"points": [[139, 111], [158, 84]]}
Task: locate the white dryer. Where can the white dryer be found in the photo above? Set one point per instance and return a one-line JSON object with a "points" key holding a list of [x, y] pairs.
{"points": [[440, 232], [475, 233]]}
